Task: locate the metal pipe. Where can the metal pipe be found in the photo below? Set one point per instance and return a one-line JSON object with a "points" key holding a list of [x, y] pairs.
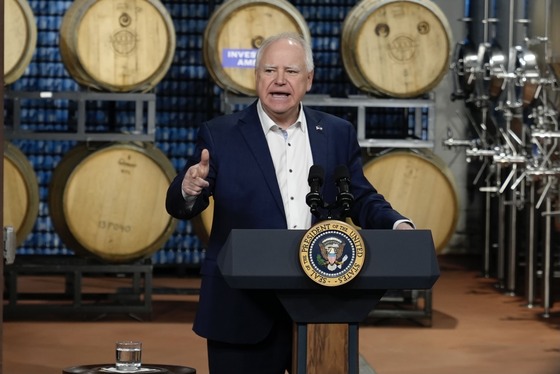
{"points": [[487, 229], [512, 258], [485, 23], [511, 19], [546, 260], [501, 233], [548, 8], [530, 251]]}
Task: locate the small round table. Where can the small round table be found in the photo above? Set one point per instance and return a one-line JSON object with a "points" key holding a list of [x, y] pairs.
{"points": [[154, 369]]}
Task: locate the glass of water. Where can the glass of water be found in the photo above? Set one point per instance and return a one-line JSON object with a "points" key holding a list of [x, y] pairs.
{"points": [[128, 355]]}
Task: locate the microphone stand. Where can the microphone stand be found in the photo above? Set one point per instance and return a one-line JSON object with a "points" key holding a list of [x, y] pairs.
{"points": [[341, 207]]}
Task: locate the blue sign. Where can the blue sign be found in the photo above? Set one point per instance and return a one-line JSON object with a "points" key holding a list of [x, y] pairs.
{"points": [[239, 58]]}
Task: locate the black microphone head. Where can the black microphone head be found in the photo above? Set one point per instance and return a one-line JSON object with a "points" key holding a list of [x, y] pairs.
{"points": [[316, 173], [342, 181], [341, 172]]}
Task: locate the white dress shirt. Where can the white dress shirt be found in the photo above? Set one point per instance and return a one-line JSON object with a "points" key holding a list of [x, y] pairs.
{"points": [[291, 154]]}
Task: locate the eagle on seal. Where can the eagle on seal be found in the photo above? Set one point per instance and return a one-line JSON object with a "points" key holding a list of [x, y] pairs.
{"points": [[331, 250]]}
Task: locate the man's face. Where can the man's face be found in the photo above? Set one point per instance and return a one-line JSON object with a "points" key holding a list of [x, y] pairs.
{"points": [[282, 80]]}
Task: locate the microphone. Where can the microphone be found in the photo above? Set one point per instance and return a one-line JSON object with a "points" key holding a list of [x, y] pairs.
{"points": [[342, 180], [315, 180]]}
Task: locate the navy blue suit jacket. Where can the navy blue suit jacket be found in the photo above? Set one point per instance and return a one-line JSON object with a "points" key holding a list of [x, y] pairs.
{"points": [[246, 196]]}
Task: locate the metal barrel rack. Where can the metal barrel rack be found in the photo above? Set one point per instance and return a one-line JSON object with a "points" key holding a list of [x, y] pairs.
{"points": [[130, 294]]}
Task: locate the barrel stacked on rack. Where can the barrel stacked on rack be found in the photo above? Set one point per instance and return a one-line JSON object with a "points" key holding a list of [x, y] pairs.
{"points": [[108, 200], [21, 190], [396, 48], [123, 46], [20, 38]]}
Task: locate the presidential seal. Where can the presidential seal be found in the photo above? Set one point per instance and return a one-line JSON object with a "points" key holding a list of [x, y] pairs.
{"points": [[332, 253]]}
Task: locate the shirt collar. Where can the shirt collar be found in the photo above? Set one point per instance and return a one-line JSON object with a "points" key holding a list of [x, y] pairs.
{"points": [[269, 125]]}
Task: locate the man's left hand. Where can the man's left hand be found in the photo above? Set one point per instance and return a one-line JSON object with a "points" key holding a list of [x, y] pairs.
{"points": [[404, 226]]}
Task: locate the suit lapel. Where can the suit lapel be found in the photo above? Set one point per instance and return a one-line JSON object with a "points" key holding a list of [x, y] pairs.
{"points": [[250, 127]]}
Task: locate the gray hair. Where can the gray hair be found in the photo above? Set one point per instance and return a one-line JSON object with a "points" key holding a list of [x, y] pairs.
{"points": [[291, 36]]}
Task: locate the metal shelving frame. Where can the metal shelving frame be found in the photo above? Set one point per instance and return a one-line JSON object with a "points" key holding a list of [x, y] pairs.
{"points": [[361, 103], [413, 305], [136, 300], [145, 116], [133, 300]]}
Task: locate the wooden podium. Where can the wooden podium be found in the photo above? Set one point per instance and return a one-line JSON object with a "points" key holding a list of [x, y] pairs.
{"points": [[326, 319]]}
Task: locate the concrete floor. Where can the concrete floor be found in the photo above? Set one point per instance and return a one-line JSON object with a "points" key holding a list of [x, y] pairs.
{"points": [[475, 329]]}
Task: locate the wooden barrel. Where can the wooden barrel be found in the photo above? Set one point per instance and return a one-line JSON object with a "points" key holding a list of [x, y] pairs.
{"points": [[109, 201], [118, 46], [236, 30], [396, 48], [20, 38], [21, 192], [420, 186]]}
